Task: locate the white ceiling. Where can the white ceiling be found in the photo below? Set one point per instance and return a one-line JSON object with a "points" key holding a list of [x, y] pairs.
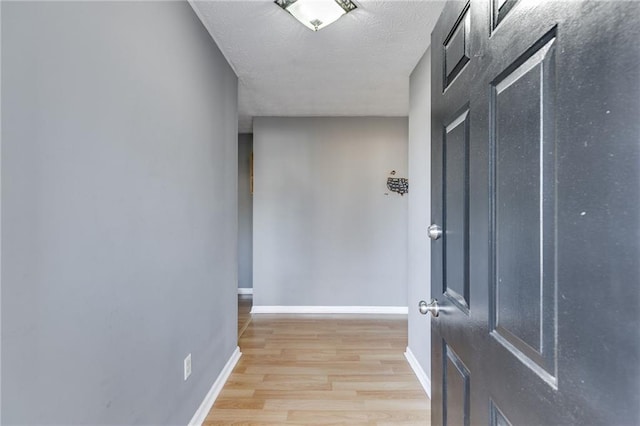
{"points": [[357, 66]]}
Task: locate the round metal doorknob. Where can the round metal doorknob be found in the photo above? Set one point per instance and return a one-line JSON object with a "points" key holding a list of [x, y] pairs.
{"points": [[434, 232], [431, 307]]}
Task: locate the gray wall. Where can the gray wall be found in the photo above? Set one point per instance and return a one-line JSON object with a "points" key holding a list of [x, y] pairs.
{"points": [[119, 218], [325, 233], [419, 264], [245, 212]]}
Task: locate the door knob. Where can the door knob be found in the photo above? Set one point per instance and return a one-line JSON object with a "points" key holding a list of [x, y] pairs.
{"points": [[431, 307], [434, 232]]}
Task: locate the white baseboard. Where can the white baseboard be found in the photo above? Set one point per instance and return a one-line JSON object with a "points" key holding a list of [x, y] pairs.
{"points": [[245, 290], [329, 310], [201, 414], [419, 371]]}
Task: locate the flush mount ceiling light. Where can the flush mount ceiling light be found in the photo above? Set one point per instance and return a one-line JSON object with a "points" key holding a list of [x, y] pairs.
{"points": [[316, 14]]}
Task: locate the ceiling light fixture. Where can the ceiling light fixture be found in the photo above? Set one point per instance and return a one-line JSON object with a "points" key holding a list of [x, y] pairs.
{"points": [[316, 14]]}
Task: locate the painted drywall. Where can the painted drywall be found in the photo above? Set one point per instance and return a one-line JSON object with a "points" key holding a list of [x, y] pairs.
{"points": [[419, 253], [119, 217], [245, 212], [327, 231]]}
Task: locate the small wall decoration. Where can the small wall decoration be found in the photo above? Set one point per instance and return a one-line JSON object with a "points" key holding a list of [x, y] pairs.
{"points": [[399, 185]]}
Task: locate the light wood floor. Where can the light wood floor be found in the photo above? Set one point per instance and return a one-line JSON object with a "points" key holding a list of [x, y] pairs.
{"points": [[329, 369]]}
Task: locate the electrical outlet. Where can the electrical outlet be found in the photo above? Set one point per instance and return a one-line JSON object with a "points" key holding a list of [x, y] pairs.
{"points": [[187, 367]]}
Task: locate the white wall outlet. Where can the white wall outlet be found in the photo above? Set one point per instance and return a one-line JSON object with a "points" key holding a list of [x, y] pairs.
{"points": [[187, 367]]}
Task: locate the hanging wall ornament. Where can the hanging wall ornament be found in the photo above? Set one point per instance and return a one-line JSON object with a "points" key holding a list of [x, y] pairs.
{"points": [[399, 185]]}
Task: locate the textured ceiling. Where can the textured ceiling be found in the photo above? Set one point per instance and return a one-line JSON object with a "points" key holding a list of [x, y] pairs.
{"points": [[357, 66]]}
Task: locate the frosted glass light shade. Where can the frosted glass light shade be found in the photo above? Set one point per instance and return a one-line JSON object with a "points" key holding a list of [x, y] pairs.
{"points": [[316, 14]]}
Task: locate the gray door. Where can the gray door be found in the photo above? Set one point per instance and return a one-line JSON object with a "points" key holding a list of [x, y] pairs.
{"points": [[536, 187]]}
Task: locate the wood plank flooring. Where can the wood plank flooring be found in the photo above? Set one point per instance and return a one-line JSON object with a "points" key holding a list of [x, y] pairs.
{"points": [[322, 369]]}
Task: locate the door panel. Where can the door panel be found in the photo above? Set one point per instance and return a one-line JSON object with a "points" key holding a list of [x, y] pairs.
{"points": [[499, 10], [455, 206], [497, 418], [523, 285], [456, 47], [536, 184], [456, 386]]}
